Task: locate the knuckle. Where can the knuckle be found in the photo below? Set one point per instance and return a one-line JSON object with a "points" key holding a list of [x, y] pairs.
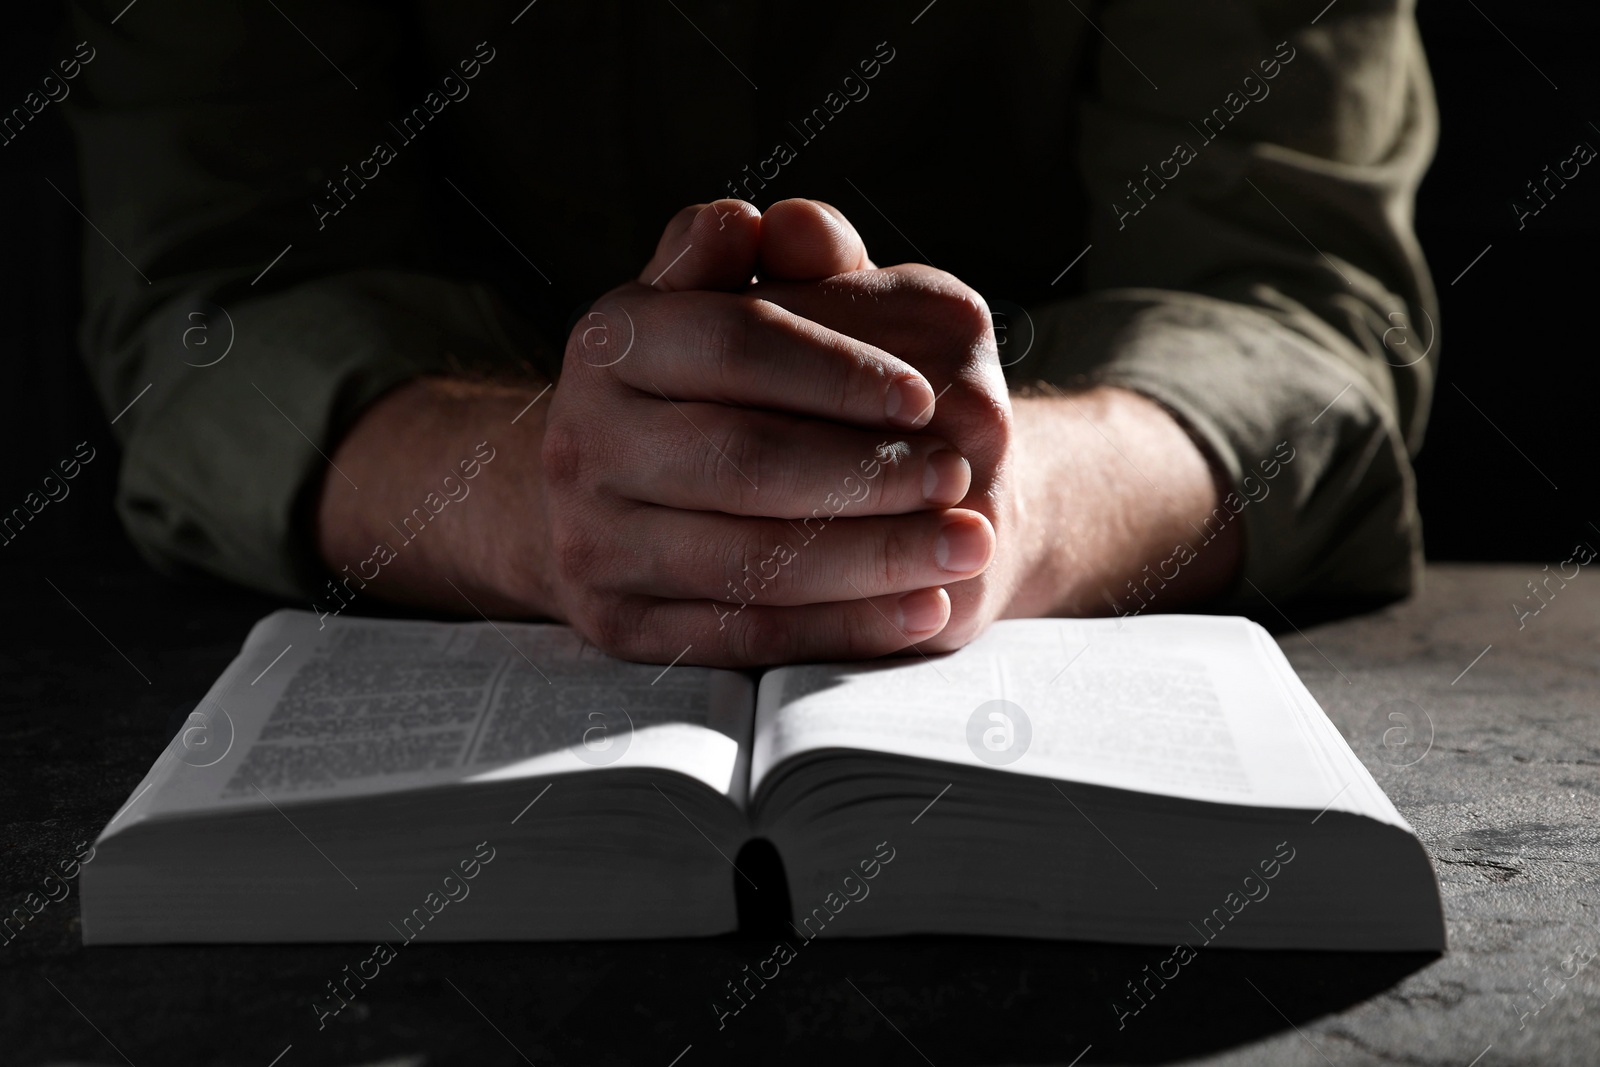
{"points": [[737, 462], [890, 557], [849, 384], [577, 555], [992, 422], [735, 580], [784, 359], [755, 637], [859, 629], [726, 337], [562, 453], [891, 485], [765, 325], [949, 304], [893, 479], [760, 314], [965, 312], [976, 309], [614, 626]]}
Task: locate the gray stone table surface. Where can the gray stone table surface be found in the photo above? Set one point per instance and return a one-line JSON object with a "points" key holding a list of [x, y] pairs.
{"points": [[1493, 755], [1485, 734]]}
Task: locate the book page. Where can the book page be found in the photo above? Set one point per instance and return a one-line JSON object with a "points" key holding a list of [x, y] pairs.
{"points": [[1187, 706], [353, 706]]}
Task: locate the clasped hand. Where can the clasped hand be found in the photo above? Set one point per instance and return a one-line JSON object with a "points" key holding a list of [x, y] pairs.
{"points": [[810, 466]]}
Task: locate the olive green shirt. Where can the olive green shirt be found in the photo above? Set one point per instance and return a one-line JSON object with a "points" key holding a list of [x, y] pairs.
{"points": [[298, 207]]}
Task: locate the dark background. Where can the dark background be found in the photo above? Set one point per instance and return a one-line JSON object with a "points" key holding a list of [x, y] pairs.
{"points": [[81, 726], [1508, 479]]}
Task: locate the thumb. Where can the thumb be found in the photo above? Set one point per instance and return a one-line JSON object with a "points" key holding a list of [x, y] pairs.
{"points": [[706, 246], [807, 240]]}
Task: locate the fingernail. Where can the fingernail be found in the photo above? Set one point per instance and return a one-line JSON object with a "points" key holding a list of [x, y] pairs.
{"points": [[962, 547], [922, 613], [909, 403], [945, 478]]}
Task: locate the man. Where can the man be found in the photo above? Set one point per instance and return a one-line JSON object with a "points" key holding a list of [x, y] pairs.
{"points": [[765, 448]]}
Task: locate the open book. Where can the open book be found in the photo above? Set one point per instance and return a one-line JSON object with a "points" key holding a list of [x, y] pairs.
{"points": [[1162, 780]]}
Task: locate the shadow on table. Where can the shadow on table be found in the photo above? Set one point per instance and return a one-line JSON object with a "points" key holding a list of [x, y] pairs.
{"points": [[951, 1001], [948, 1000], [981, 1001]]}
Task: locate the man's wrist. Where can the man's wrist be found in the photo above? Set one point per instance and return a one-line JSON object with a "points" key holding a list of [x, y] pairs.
{"points": [[450, 509], [1114, 494]]}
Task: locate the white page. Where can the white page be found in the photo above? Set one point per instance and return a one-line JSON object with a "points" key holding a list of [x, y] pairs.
{"points": [[358, 706], [1178, 705]]}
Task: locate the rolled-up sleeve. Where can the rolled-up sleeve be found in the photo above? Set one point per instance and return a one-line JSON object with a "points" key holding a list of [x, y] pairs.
{"points": [[237, 330], [1253, 269]]}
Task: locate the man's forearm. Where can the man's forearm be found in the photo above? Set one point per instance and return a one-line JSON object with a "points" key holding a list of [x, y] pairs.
{"points": [[449, 504], [1115, 499]]}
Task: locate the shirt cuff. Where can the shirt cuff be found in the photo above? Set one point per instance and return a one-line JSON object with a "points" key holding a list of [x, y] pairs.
{"points": [[224, 458], [1318, 470]]}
